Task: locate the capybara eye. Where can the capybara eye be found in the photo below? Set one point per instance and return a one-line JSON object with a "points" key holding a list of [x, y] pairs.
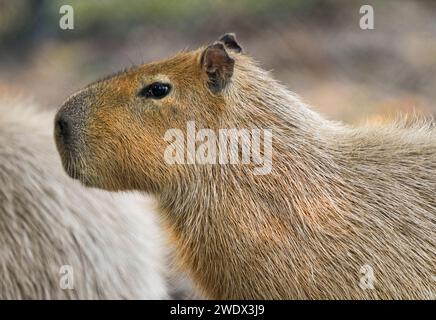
{"points": [[156, 90]]}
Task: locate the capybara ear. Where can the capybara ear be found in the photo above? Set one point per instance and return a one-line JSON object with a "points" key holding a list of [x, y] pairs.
{"points": [[218, 66], [229, 41]]}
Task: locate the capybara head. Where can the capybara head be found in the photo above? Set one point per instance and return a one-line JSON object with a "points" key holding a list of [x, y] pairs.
{"points": [[110, 134]]}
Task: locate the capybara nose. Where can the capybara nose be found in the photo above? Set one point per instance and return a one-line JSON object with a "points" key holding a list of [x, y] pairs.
{"points": [[63, 129]]}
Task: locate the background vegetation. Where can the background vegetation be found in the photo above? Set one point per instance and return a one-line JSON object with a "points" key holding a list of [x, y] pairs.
{"points": [[315, 47]]}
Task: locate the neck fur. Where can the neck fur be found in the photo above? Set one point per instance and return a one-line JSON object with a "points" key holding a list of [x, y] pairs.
{"points": [[303, 164]]}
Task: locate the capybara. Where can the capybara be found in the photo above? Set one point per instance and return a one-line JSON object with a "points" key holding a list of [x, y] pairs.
{"points": [[343, 213], [60, 240]]}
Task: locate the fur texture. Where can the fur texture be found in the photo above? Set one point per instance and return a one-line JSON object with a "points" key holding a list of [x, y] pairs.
{"points": [[48, 220], [338, 198]]}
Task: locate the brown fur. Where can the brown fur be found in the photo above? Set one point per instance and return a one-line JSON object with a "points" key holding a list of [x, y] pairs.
{"points": [[337, 197]]}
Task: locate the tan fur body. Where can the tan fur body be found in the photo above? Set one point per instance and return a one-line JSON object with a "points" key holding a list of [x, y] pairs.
{"points": [[338, 198]]}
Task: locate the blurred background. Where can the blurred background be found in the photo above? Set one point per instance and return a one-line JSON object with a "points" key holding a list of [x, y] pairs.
{"points": [[314, 47]]}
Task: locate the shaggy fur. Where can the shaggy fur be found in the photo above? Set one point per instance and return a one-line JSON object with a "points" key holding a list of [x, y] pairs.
{"points": [[337, 199], [47, 221]]}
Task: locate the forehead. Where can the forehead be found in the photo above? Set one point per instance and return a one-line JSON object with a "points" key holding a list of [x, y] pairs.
{"points": [[179, 63], [182, 70], [184, 65]]}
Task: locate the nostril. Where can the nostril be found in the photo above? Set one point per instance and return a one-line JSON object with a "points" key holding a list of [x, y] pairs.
{"points": [[63, 128]]}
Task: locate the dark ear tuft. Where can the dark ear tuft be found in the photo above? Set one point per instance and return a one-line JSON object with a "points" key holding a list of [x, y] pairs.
{"points": [[229, 40], [218, 66]]}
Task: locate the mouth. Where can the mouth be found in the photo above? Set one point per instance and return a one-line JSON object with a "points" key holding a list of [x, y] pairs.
{"points": [[75, 169], [72, 167], [71, 164]]}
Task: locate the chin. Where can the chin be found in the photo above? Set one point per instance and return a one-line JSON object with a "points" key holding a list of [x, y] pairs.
{"points": [[75, 173], [99, 181]]}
